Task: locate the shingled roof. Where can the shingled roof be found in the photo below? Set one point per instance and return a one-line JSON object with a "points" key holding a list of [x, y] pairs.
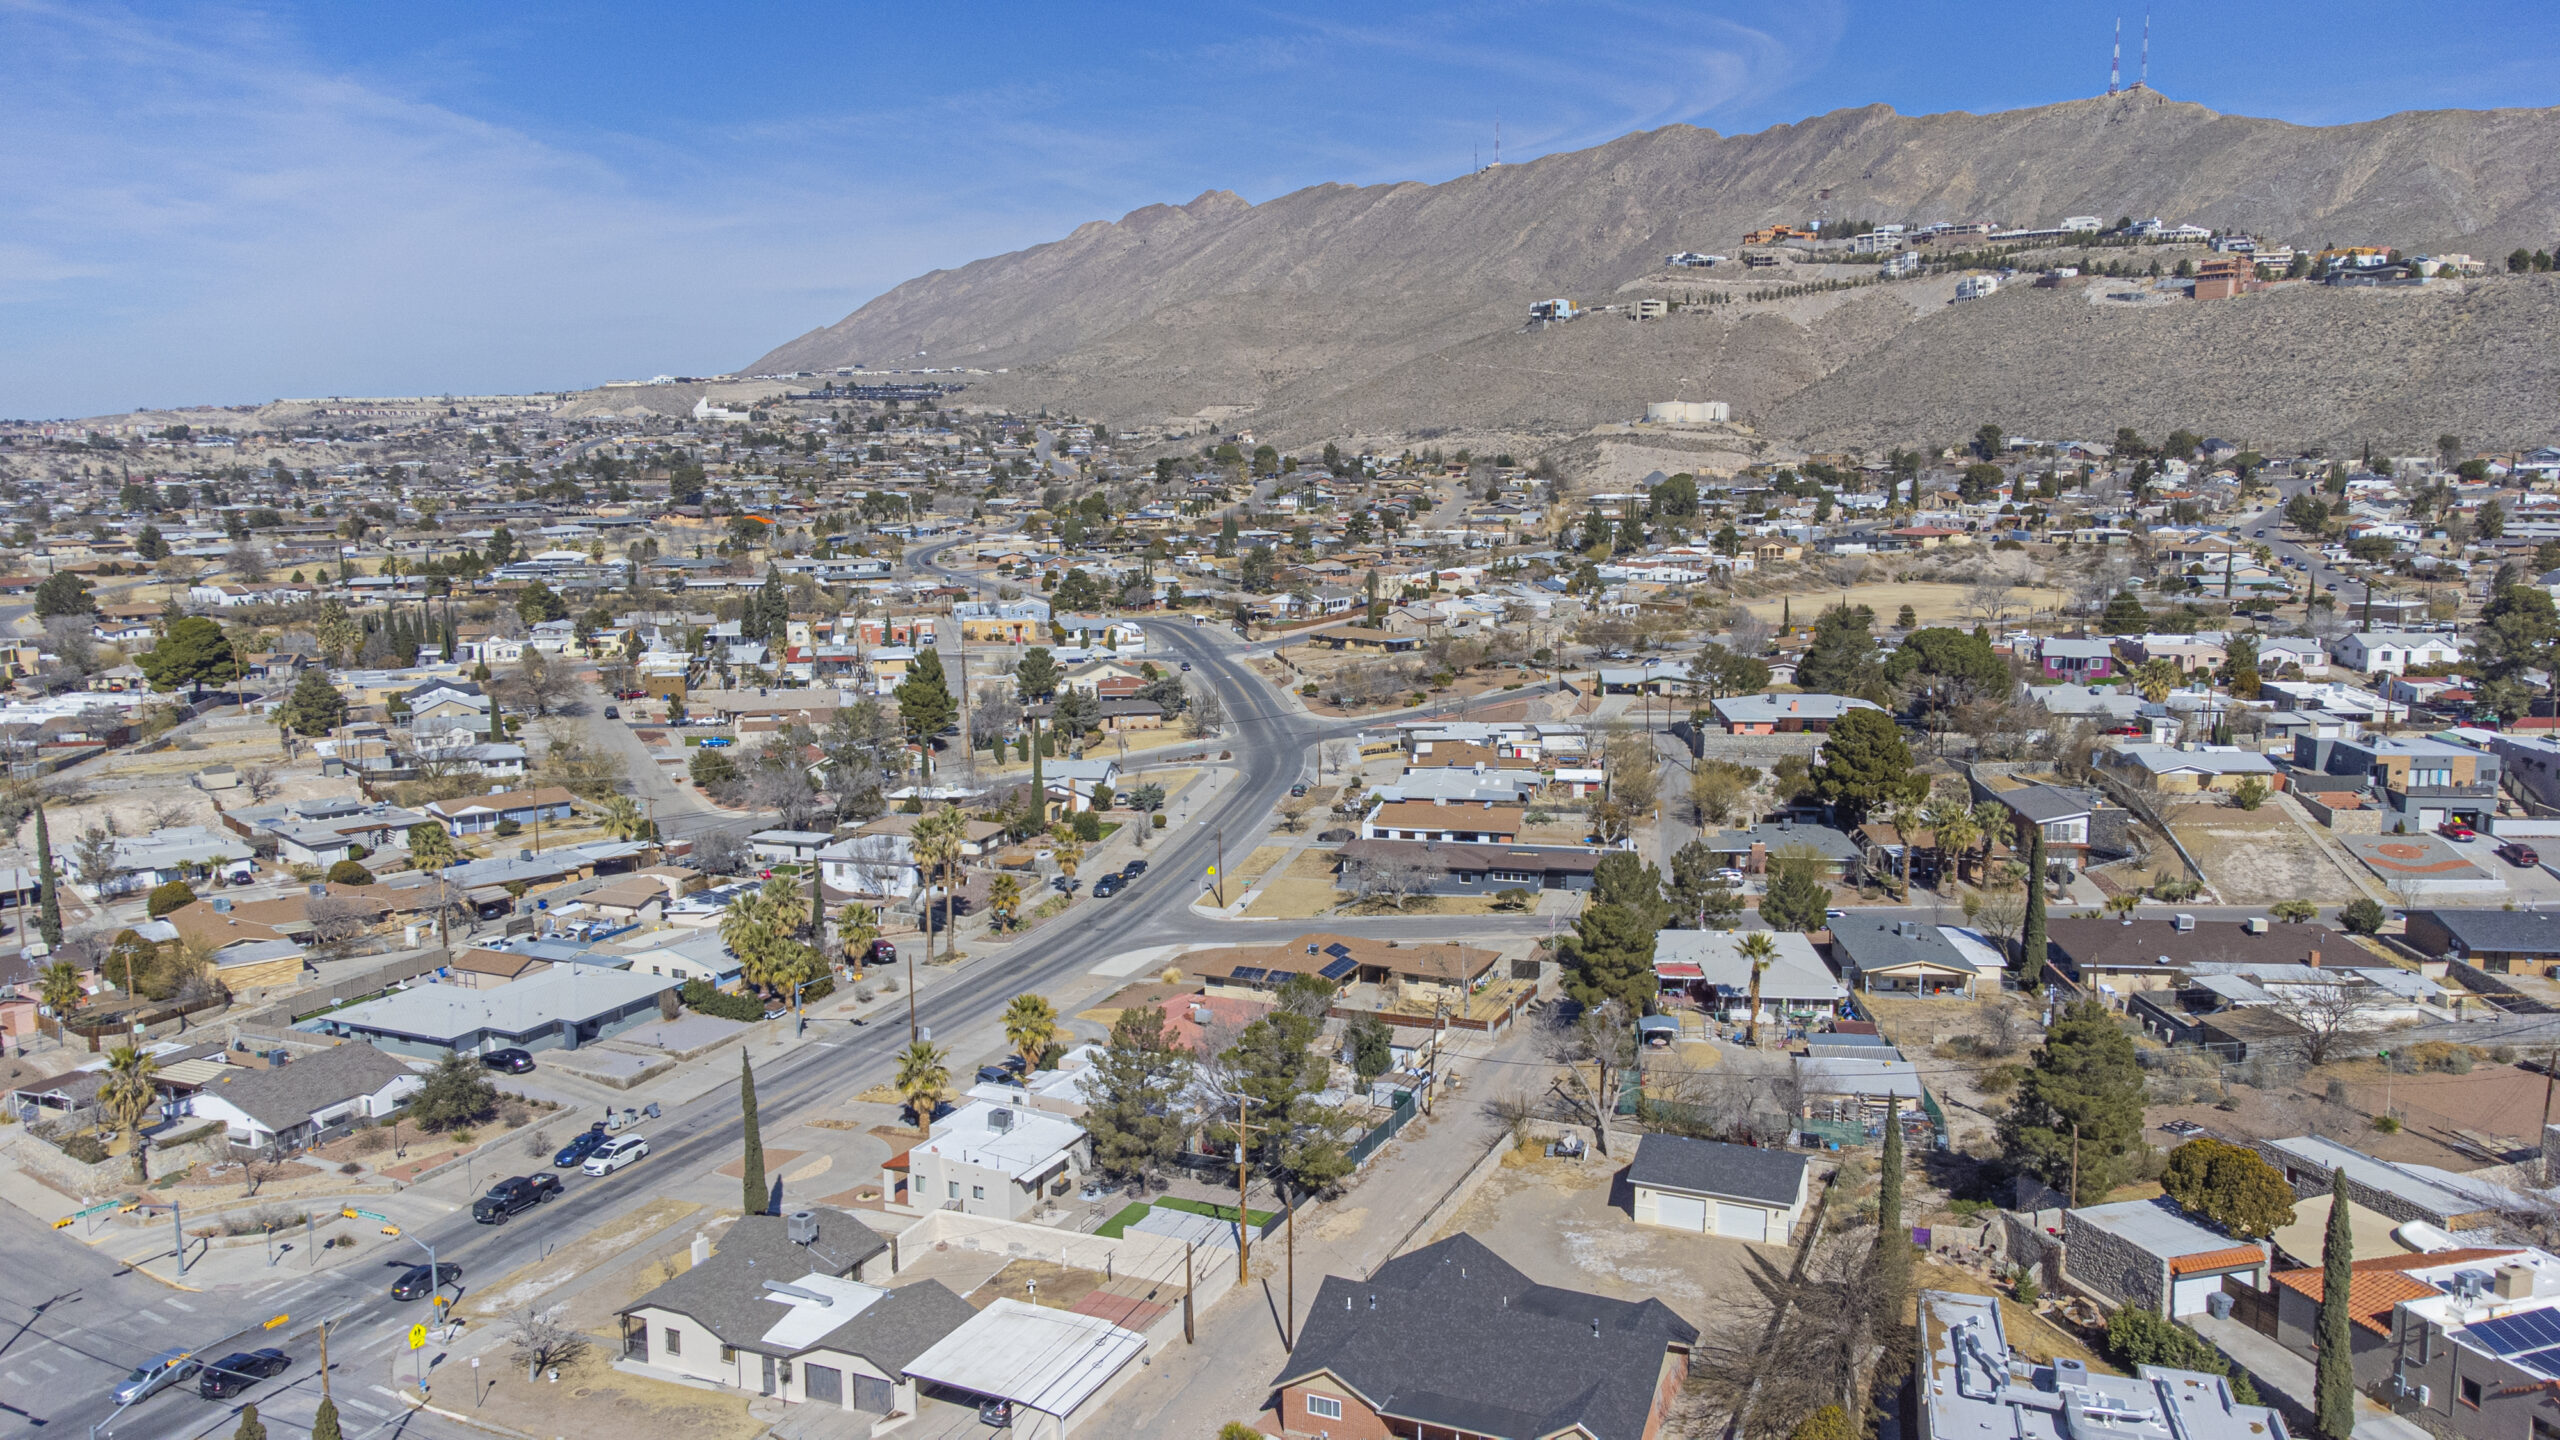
{"points": [[1452, 1336]]}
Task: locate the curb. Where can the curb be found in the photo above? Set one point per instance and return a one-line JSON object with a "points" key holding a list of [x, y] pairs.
{"points": [[416, 1405]]}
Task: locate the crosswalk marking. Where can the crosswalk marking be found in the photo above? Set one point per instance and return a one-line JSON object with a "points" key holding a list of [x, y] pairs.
{"points": [[154, 1316], [177, 1304]]}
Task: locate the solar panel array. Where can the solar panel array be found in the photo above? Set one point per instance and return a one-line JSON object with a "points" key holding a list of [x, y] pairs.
{"points": [[1339, 969], [1338, 950], [2535, 1331], [2546, 1362], [1249, 974]]}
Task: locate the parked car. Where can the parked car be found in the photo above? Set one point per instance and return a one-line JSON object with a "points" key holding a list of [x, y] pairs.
{"points": [[2456, 830], [236, 1372], [166, 1368], [1106, 887], [512, 1061], [416, 1284], [1729, 876], [2519, 854], [1298, 791], [616, 1153], [1186, 664], [586, 1143], [994, 1075], [723, 742], [884, 952], [516, 1192], [613, 712], [1133, 869]]}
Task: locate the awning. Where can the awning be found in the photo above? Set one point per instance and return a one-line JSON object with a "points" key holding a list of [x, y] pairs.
{"points": [[1678, 970]]}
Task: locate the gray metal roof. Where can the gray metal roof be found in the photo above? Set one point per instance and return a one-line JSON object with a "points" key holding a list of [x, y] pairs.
{"points": [[446, 1013], [2523, 932], [1711, 1167], [287, 1095], [1452, 1336], [2044, 804], [1875, 946], [726, 1293]]}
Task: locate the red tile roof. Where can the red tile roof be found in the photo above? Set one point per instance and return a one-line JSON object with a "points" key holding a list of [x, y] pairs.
{"points": [[2225, 1259], [2371, 1294]]}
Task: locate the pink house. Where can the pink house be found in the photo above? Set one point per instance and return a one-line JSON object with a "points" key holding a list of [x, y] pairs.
{"points": [[2077, 660]]}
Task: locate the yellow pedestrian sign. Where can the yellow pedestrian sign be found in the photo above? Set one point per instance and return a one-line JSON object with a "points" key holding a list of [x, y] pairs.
{"points": [[417, 1337]]}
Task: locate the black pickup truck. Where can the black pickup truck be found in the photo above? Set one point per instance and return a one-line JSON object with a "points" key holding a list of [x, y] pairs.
{"points": [[516, 1192]]}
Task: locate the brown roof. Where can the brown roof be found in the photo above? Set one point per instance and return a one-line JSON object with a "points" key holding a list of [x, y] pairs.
{"points": [[505, 800], [2141, 945], [629, 894], [497, 962], [2223, 1259], [1424, 815], [1445, 963], [201, 924]]}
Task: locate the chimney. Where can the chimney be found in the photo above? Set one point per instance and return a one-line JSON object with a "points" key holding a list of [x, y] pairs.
{"points": [[1758, 863], [2314, 961], [2515, 1282]]}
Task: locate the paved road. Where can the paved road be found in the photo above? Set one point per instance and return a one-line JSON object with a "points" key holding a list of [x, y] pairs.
{"points": [[1270, 744]]}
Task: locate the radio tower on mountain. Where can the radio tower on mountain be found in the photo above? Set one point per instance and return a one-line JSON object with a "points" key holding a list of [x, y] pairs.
{"points": [[2115, 60], [2143, 76]]}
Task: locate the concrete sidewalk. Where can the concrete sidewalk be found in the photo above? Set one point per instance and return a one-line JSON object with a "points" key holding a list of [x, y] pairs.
{"points": [[2289, 1382]]}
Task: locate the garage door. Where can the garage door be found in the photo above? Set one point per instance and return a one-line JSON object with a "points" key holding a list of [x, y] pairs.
{"points": [[1742, 1222], [823, 1384], [2187, 1296], [1680, 1212]]}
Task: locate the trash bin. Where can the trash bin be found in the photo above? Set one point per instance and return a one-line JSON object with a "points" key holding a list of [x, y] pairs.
{"points": [[2218, 1304]]}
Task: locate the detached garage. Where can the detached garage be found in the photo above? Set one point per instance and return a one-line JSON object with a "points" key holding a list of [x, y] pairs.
{"points": [[1710, 1188]]}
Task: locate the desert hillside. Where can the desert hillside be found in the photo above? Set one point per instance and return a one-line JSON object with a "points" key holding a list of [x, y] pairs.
{"points": [[1341, 310]]}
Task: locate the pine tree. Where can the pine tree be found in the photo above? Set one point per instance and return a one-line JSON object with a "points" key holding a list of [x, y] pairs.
{"points": [[49, 921], [2335, 1390], [2031, 943], [324, 1421], [758, 1195], [251, 1427]]}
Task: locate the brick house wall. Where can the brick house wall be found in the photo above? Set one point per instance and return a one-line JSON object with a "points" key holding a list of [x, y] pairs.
{"points": [[1358, 1421], [2113, 1267]]}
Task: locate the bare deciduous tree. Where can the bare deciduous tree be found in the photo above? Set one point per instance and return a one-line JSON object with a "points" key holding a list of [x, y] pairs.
{"points": [[1592, 1052], [1207, 714], [543, 1341], [2329, 1017], [1392, 880], [336, 924], [261, 783]]}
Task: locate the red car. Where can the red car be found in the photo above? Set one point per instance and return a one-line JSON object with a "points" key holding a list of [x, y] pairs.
{"points": [[2456, 830], [2519, 854]]}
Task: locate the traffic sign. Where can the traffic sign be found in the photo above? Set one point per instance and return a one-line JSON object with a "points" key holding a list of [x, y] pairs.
{"points": [[417, 1337]]}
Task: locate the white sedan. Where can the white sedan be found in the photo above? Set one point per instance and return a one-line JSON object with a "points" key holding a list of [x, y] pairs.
{"points": [[615, 1153]]}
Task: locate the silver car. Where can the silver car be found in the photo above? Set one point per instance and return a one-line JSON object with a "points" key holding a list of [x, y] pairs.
{"points": [[161, 1370]]}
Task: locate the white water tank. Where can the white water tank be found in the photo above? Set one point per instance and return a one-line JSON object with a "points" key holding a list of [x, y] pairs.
{"points": [[1688, 412]]}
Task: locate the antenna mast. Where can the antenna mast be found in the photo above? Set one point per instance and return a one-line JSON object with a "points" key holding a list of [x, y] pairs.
{"points": [[2115, 60], [2144, 83]]}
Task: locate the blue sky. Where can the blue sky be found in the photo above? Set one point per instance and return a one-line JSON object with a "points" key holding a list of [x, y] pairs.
{"points": [[229, 204]]}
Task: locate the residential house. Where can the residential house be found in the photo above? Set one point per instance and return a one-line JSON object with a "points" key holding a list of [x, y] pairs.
{"points": [[2403, 1190], [2080, 661], [2502, 942], [788, 847], [1972, 1385], [2118, 957], [782, 1309], [562, 1008], [1909, 956], [1443, 868], [1706, 969], [2459, 1334], [129, 864], [1751, 849], [1785, 714], [988, 1159], [2185, 770], [479, 813], [2394, 651], [1461, 823], [289, 1105], [1706, 1187], [1451, 1340]]}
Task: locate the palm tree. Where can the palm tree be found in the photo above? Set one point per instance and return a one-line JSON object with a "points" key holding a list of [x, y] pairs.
{"points": [[1905, 819], [937, 838], [1004, 900], [1030, 1024], [2156, 678], [1759, 949], [623, 818], [1067, 848], [61, 990], [1997, 822], [430, 847], [857, 925], [128, 1097], [748, 931], [922, 1081], [1951, 824]]}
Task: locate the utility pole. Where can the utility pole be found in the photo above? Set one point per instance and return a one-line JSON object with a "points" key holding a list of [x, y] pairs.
{"points": [[1221, 876], [1186, 1293], [1289, 1324], [2550, 1071], [1244, 1167], [2075, 1162], [912, 1033]]}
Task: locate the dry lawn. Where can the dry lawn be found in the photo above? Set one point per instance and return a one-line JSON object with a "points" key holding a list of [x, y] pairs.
{"points": [[529, 1283], [2257, 857], [1256, 865], [592, 1398], [1302, 892], [2028, 1333], [1930, 600]]}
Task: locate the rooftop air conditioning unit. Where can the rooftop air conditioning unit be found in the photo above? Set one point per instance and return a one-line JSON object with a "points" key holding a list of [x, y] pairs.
{"points": [[1000, 1121], [800, 1227], [2183, 921]]}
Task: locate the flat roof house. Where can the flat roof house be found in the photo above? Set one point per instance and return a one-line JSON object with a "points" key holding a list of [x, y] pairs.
{"points": [[987, 1159], [1451, 1340], [1971, 1385], [1707, 1187], [562, 1008], [1785, 714], [476, 813]]}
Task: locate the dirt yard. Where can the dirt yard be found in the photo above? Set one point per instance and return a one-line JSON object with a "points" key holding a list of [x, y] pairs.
{"points": [[1930, 601], [1301, 892], [2257, 857]]}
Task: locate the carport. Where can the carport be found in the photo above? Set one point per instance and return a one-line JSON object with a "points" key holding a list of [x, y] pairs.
{"points": [[1050, 1366]]}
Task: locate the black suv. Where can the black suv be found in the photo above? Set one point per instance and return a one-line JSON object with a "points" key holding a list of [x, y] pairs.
{"points": [[1106, 887], [232, 1374], [511, 1061], [516, 1192], [1133, 869]]}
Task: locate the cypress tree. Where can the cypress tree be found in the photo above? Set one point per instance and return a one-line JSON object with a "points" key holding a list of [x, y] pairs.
{"points": [[2335, 1390], [1893, 1239], [251, 1427], [324, 1421], [2031, 943], [49, 920], [757, 1194]]}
